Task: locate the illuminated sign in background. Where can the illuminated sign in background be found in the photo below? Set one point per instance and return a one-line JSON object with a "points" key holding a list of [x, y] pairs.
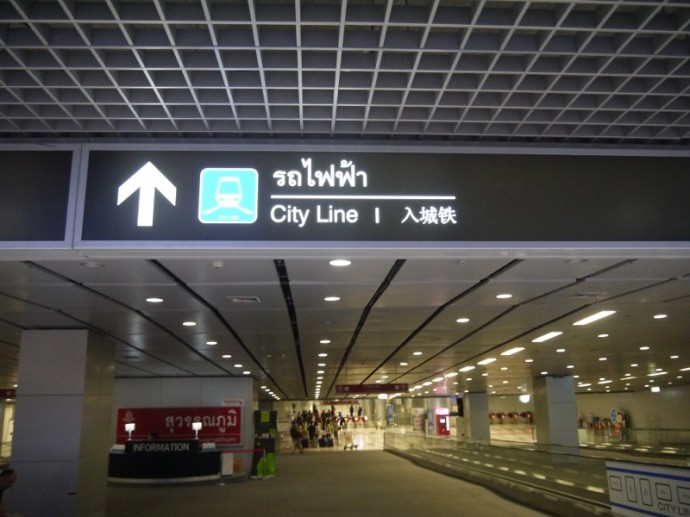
{"points": [[291, 196]]}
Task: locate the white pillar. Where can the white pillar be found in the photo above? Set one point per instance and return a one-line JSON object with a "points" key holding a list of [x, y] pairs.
{"points": [[476, 419], [555, 411], [62, 424]]}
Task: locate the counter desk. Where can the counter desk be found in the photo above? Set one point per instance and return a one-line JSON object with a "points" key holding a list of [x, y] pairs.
{"points": [[164, 461]]}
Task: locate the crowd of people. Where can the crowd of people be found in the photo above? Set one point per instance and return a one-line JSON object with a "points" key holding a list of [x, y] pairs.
{"points": [[317, 429]]}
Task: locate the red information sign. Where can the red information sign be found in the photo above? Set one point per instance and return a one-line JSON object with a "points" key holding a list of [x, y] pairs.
{"points": [[218, 424], [371, 388]]}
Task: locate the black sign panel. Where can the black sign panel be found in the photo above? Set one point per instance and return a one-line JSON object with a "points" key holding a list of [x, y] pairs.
{"points": [[349, 196], [34, 193]]}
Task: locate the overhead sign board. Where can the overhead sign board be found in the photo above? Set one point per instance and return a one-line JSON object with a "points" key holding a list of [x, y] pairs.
{"points": [[34, 195], [343, 389], [212, 196]]}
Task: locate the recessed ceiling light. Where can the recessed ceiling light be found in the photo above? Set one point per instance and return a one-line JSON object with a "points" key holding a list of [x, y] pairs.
{"points": [[675, 356], [560, 350], [340, 262], [486, 361], [323, 355], [189, 323], [332, 298], [154, 300], [321, 365], [463, 320], [513, 350], [438, 379], [529, 360], [226, 356], [246, 372], [594, 317], [570, 366], [644, 348], [243, 299], [238, 365], [451, 374], [416, 353], [466, 368], [544, 373], [403, 363], [660, 316], [504, 296], [211, 343], [603, 358], [603, 335], [547, 336], [92, 264]]}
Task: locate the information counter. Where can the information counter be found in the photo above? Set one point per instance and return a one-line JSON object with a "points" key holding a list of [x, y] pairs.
{"points": [[163, 461]]}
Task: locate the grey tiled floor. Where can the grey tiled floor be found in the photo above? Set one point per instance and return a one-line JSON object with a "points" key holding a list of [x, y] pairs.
{"points": [[333, 483]]}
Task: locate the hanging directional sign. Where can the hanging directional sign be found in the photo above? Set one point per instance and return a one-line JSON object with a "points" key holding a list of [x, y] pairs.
{"points": [[147, 181], [343, 389], [209, 195]]}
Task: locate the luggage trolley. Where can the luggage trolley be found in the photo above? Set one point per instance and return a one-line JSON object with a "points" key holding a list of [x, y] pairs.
{"points": [[349, 443]]}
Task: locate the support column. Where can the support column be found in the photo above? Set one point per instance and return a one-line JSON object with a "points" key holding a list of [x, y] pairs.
{"points": [[555, 411], [476, 419], [62, 424]]}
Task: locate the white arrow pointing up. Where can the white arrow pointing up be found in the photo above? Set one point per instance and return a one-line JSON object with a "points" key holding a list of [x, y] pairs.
{"points": [[148, 179]]}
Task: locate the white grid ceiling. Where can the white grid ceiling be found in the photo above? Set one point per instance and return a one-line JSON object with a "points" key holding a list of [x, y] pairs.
{"points": [[599, 72]]}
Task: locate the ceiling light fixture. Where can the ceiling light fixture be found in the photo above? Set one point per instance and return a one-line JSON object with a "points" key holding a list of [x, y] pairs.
{"points": [[513, 350], [486, 361], [463, 320], [340, 262], [547, 336], [416, 353], [189, 323], [504, 296], [154, 300], [594, 317], [660, 316], [466, 368], [332, 298]]}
